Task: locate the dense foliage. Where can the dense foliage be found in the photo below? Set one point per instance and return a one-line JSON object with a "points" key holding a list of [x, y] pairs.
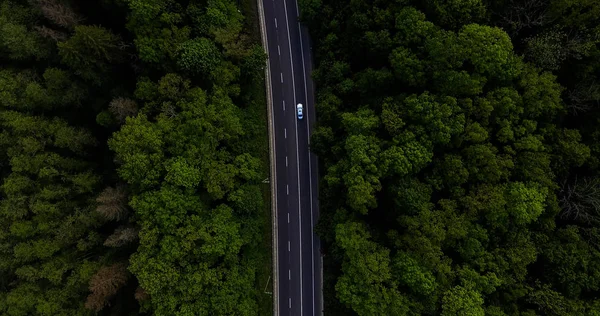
{"points": [[458, 143], [132, 154]]}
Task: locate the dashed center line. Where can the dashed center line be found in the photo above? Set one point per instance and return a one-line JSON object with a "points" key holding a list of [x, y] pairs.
{"points": [[300, 278], [300, 304], [287, 189], [289, 274]]}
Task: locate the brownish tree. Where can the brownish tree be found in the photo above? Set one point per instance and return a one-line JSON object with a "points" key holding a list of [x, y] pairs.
{"points": [[122, 108], [59, 13], [50, 33], [580, 200], [112, 203], [583, 97], [121, 236], [105, 284], [141, 294], [517, 15]]}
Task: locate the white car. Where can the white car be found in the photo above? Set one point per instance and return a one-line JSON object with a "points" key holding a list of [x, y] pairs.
{"points": [[299, 110]]}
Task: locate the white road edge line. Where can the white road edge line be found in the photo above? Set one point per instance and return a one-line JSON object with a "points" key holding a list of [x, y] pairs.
{"points": [[273, 167], [297, 154], [312, 242]]}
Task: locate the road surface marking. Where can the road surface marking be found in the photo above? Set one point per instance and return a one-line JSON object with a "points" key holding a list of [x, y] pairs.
{"points": [[284, 105], [297, 155], [278, 50], [281, 77], [309, 163], [275, 22], [287, 189], [289, 274], [285, 132], [288, 242], [286, 161], [288, 223], [290, 300]]}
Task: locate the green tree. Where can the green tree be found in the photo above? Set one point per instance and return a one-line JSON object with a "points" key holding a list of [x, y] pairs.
{"points": [[458, 12], [180, 159], [461, 301], [18, 39], [139, 148], [442, 150], [407, 67], [367, 285], [90, 51], [198, 56], [411, 274], [489, 50], [49, 224], [157, 28]]}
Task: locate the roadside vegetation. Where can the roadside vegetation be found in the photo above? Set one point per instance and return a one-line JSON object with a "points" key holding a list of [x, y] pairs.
{"points": [[133, 151], [458, 143]]}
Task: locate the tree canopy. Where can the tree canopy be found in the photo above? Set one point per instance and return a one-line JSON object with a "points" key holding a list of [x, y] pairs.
{"points": [[452, 158], [128, 183]]}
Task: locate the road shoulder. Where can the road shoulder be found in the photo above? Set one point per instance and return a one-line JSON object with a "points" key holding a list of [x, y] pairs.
{"points": [[272, 178]]}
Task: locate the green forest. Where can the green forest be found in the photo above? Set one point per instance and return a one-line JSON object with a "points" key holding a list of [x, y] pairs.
{"points": [[458, 141], [459, 147], [133, 149]]}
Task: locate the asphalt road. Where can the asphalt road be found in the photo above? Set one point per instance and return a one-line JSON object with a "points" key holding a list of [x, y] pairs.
{"points": [[299, 261]]}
